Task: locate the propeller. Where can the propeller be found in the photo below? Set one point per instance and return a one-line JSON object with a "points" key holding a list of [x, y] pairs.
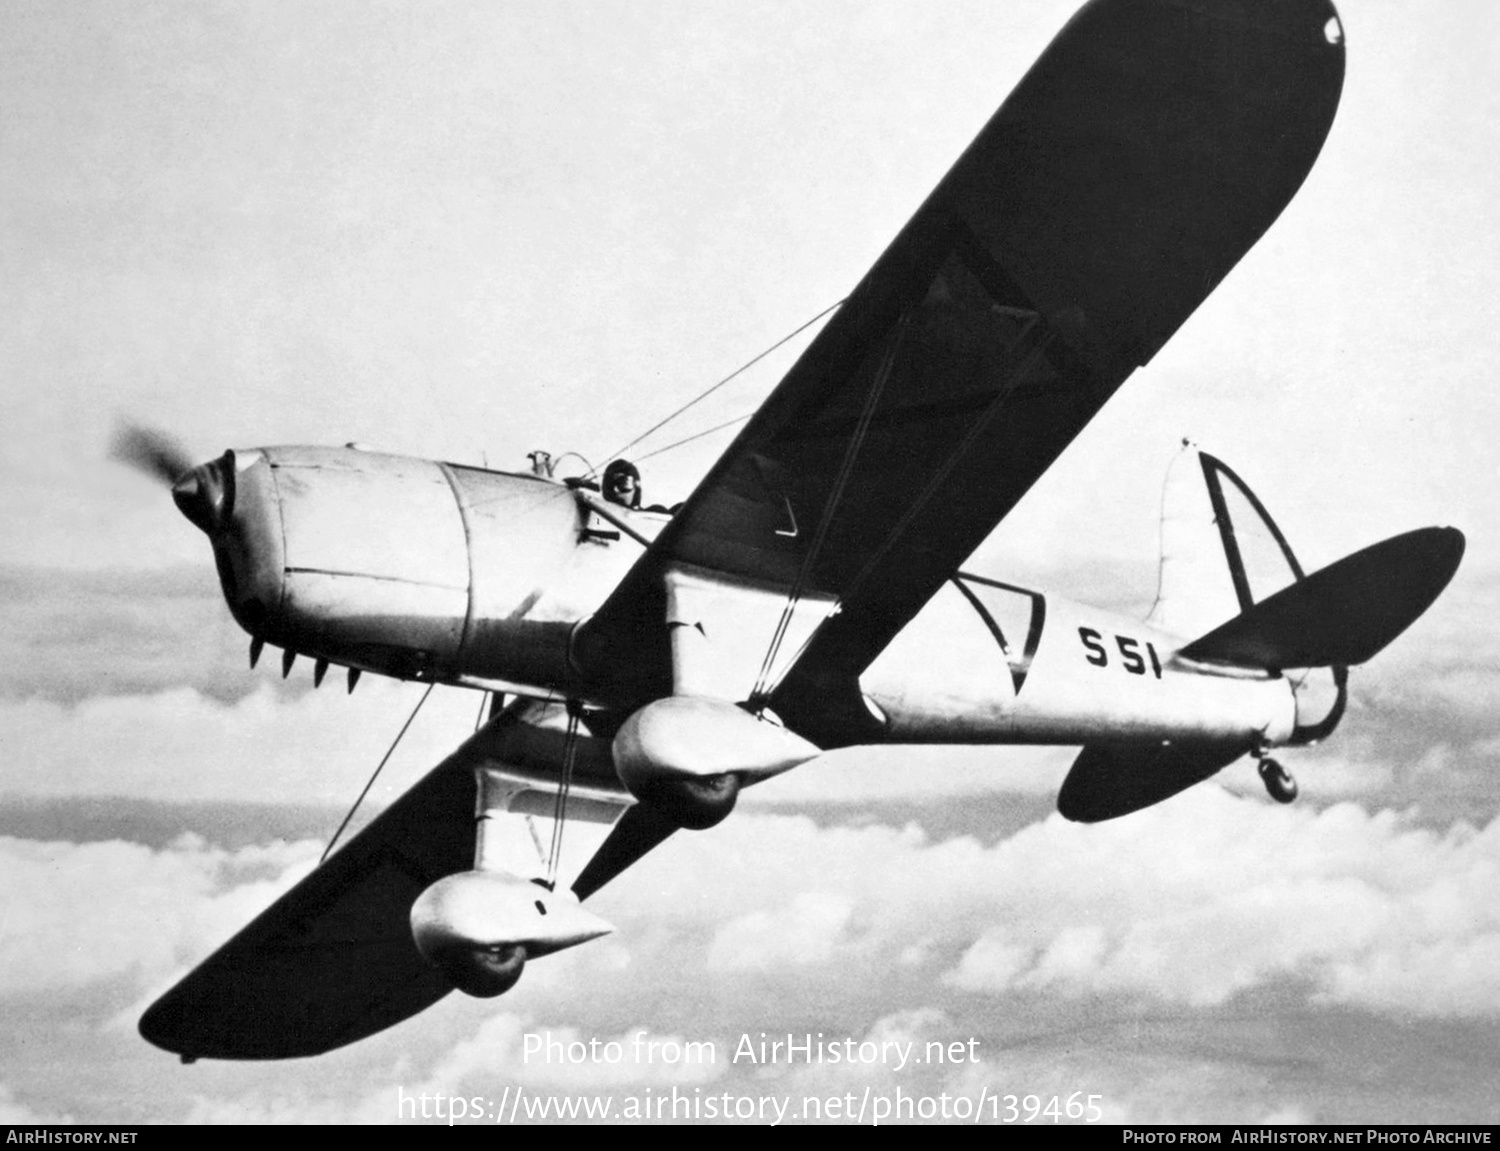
{"points": [[152, 451], [204, 493]]}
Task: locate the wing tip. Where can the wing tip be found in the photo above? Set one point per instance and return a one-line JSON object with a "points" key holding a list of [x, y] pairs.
{"points": [[165, 1025]]}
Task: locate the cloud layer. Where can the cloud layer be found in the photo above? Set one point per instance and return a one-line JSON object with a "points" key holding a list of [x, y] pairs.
{"points": [[1205, 911]]}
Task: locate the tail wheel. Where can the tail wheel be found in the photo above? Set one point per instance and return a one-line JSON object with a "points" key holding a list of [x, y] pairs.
{"points": [[1280, 786]]}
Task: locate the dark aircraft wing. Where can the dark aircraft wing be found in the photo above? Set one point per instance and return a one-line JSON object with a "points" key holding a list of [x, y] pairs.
{"points": [[1144, 153], [332, 960]]}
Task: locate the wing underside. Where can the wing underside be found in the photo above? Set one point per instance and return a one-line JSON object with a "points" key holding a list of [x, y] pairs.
{"points": [[333, 960], [1140, 158]]}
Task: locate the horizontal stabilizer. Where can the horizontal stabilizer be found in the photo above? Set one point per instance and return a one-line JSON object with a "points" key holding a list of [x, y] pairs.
{"points": [[1111, 780], [332, 960], [1344, 613]]}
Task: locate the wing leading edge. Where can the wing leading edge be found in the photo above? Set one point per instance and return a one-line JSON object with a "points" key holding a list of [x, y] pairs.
{"points": [[1144, 153]]}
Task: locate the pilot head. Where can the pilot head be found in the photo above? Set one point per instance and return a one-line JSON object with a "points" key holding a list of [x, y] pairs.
{"points": [[622, 484]]}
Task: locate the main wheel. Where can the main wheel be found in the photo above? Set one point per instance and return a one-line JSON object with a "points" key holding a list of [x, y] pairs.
{"points": [[1280, 786]]}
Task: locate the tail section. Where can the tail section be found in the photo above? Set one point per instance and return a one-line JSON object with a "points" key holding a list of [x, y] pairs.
{"points": [[1220, 549], [1283, 619], [1223, 555], [1229, 577]]}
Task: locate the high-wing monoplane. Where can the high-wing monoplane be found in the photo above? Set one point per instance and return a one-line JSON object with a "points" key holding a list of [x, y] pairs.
{"points": [[809, 594]]}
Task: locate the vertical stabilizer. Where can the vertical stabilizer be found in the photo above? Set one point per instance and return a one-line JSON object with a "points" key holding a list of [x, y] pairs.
{"points": [[1195, 591]]}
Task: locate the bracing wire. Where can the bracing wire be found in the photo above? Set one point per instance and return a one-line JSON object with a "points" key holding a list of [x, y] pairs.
{"points": [[935, 482], [976, 428], [760, 691], [703, 395], [740, 419], [383, 760], [564, 785]]}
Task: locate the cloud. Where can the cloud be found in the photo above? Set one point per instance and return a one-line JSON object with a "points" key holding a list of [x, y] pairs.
{"points": [[66, 635], [1449, 658], [76, 915], [1361, 908], [1324, 776], [179, 745], [806, 930], [12, 1111], [776, 924], [1193, 902], [1433, 766]]}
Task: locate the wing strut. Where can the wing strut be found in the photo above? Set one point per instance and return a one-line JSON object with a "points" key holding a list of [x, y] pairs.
{"points": [[761, 692], [940, 476]]}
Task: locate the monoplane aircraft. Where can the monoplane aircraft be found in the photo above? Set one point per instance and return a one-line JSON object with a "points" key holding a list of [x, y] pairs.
{"points": [[647, 666]]}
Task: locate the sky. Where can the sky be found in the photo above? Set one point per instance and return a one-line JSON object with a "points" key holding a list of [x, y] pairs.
{"points": [[467, 231]]}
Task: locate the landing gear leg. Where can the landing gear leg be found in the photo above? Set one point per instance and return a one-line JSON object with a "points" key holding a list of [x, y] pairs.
{"points": [[1280, 786]]}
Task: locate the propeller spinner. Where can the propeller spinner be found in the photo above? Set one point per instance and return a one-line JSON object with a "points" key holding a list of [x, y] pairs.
{"points": [[204, 493]]}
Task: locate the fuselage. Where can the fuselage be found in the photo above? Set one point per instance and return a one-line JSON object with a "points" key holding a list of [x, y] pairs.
{"points": [[440, 572]]}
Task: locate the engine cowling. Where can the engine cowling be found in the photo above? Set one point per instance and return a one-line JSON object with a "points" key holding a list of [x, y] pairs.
{"points": [[407, 567]]}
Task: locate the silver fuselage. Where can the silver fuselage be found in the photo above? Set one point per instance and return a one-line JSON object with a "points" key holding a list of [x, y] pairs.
{"points": [[435, 571]]}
